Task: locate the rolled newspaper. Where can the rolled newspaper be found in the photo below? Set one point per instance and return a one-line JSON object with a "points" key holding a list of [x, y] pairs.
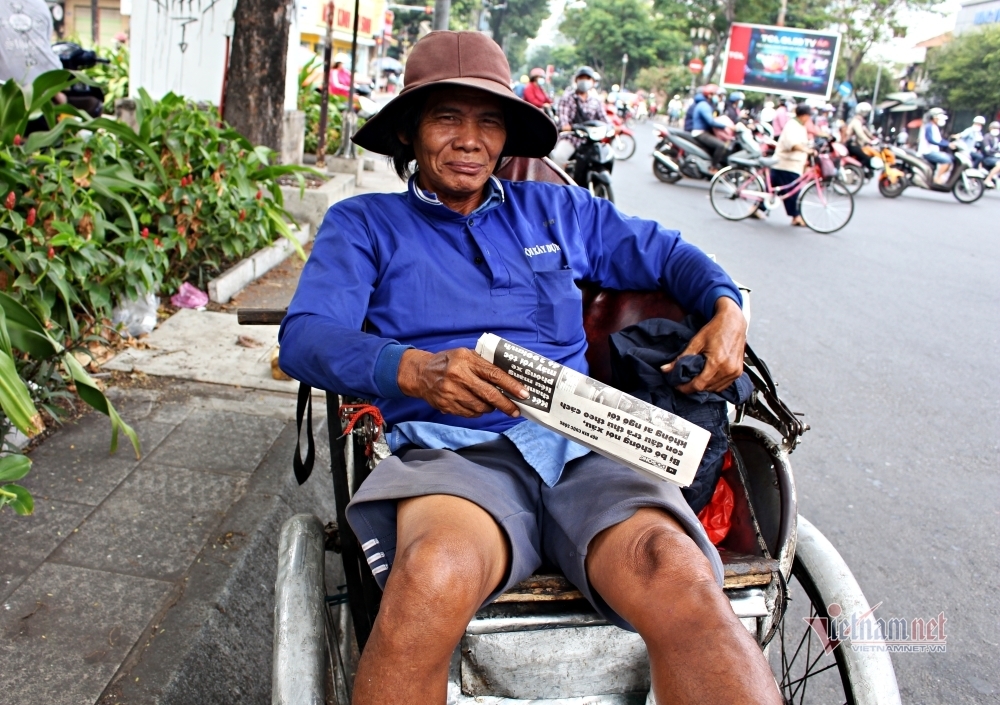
{"points": [[606, 420]]}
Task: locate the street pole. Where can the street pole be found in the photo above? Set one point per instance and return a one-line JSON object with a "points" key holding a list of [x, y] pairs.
{"points": [[442, 13], [349, 120], [782, 11], [624, 64], [324, 106], [878, 80], [95, 23]]}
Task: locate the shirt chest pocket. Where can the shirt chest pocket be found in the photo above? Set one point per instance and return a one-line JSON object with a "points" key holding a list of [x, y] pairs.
{"points": [[559, 315]]}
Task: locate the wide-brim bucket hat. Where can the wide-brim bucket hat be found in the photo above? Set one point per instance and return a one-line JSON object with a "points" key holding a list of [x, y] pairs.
{"points": [[469, 59]]}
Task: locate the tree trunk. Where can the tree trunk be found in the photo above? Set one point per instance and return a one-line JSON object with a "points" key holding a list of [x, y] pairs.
{"points": [[255, 87]]}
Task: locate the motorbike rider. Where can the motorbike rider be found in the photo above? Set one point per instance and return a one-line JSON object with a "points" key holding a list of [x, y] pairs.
{"points": [[576, 106], [991, 153], [782, 115], [675, 109], [858, 134], [734, 106], [971, 137], [703, 121], [534, 92], [933, 146]]}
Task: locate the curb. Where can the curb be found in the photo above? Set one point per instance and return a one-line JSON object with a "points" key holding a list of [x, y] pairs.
{"points": [[311, 206], [233, 280]]}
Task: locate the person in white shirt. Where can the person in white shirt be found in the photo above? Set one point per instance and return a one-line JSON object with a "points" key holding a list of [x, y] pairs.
{"points": [[792, 151], [25, 41]]}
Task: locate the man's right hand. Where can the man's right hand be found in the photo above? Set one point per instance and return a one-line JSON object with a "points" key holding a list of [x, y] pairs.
{"points": [[458, 382]]}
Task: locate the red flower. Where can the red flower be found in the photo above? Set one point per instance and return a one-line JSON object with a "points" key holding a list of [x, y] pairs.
{"points": [[144, 233], [30, 220], [11, 201], [52, 252], [156, 241], [260, 194], [18, 141], [243, 215]]}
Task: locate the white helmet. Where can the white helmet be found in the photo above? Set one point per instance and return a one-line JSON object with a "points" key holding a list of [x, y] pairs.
{"points": [[979, 120], [863, 108]]}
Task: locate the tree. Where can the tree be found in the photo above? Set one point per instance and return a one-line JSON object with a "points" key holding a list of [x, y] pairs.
{"points": [[255, 85], [664, 79], [562, 58], [605, 30], [966, 71], [865, 23], [514, 23]]}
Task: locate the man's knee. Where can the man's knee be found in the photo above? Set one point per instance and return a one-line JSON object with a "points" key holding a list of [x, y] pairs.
{"points": [[444, 572], [664, 556]]}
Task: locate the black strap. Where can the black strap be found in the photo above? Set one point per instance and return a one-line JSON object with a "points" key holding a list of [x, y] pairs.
{"points": [[303, 468]]}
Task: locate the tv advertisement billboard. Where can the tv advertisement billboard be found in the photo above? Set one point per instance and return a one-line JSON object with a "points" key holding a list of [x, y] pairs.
{"points": [[782, 60]]}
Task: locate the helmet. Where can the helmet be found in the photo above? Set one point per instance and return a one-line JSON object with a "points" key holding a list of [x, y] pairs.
{"points": [[585, 71], [863, 108], [615, 88], [524, 78], [536, 73], [735, 96], [677, 96], [934, 113], [995, 125], [709, 89], [828, 108], [979, 120]]}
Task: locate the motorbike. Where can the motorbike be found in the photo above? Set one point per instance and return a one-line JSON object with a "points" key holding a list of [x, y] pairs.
{"points": [[679, 154], [623, 143], [598, 156], [851, 172], [965, 182], [89, 99]]}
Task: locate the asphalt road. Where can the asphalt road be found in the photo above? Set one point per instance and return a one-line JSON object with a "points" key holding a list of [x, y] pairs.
{"points": [[885, 335]]}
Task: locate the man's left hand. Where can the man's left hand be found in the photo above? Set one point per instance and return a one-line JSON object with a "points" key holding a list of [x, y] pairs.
{"points": [[721, 341]]}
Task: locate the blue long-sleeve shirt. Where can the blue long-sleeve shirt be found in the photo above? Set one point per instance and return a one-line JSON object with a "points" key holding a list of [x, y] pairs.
{"points": [[704, 117], [415, 273]]}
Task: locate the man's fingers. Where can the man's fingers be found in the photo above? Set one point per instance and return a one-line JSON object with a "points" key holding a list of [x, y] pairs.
{"points": [[694, 346], [496, 377], [492, 396]]}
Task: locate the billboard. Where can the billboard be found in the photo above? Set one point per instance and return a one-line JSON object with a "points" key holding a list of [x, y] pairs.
{"points": [[782, 60]]}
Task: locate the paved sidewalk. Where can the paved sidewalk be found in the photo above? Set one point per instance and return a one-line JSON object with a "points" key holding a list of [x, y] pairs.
{"points": [[158, 573], [151, 580]]}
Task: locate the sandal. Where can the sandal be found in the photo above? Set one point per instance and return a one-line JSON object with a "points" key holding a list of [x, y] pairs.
{"points": [[798, 222]]}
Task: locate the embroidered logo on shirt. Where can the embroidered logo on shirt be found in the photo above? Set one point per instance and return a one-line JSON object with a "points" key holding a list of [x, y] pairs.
{"points": [[542, 249]]}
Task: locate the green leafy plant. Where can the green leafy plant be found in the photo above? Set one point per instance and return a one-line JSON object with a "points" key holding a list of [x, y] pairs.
{"points": [[310, 101], [113, 76]]}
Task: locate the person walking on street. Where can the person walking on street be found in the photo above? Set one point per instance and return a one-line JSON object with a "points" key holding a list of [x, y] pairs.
{"points": [[792, 151], [781, 117], [578, 105], [703, 121], [933, 145], [534, 92]]}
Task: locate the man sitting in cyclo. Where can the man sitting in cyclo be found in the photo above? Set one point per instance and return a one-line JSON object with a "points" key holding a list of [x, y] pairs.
{"points": [[474, 499]]}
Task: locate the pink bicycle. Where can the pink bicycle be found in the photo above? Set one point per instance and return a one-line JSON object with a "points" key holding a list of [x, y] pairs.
{"points": [[737, 192]]}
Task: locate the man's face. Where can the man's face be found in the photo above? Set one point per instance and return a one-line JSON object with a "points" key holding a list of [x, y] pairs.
{"points": [[459, 140]]}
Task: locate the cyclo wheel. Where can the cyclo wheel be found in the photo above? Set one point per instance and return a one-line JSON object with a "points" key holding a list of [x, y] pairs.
{"points": [[623, 146], [826, 207], [727, 189], [804, 670]]}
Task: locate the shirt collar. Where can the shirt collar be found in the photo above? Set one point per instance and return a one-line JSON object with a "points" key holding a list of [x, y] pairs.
{"points": [[494, 197]]}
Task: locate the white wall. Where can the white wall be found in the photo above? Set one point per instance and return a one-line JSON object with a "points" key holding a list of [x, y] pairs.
{"points": [[161, 65]]}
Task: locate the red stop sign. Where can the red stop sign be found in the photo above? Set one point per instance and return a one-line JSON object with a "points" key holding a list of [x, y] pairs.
{"points": [[696, 65]]}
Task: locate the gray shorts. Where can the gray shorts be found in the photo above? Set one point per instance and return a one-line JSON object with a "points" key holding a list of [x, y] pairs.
{"points": [[544, 525]]}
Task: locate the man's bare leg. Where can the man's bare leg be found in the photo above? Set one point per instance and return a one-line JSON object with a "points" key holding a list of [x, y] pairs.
{"points": [[450, 555], [652, 574]]}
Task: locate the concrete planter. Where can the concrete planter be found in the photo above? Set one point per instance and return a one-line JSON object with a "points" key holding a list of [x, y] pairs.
{"points": [[311, 206], [231, 282]]}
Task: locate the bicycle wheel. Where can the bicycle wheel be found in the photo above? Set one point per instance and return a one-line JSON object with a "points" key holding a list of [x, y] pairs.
{"points": [[736, 193], [852, 177], [623, 146], [826, 207]]}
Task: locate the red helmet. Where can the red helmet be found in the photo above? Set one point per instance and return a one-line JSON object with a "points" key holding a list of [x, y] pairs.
{"points": [[709, 89], [537, 73]]}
